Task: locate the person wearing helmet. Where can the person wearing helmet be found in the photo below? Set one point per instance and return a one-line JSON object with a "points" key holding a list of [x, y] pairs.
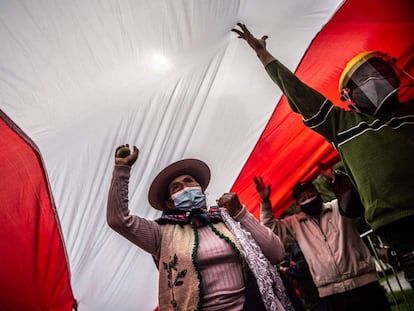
{"points": [[375, 138], [370, 81], [208, 258]]}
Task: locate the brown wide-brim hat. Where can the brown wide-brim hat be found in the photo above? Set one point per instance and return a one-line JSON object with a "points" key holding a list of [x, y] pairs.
{"points": [[158, 193]]}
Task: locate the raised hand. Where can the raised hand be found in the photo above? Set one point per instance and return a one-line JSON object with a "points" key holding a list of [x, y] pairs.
{"points": [[125, 157], [262, 190], [244, 33], [258, 45], [230, 201]]}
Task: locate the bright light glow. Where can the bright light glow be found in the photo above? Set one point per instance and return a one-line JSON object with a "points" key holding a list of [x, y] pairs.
{"points": [[159, 61]]}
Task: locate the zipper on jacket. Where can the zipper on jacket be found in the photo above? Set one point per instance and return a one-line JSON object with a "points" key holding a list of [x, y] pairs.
{"points": [[338, 271]]}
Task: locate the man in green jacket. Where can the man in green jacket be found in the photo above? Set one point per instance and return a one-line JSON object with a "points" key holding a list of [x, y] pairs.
{"points": [[375, 139]]}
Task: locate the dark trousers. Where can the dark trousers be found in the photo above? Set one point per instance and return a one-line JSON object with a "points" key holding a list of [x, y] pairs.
{"points": [[398, 236], [369, 297]]}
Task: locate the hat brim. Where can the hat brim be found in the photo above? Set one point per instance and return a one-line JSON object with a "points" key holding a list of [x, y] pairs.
{"points": [[158, 193]]}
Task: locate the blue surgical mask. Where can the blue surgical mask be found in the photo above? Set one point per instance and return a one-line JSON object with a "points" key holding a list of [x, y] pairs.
{"points": [[188, 199]]}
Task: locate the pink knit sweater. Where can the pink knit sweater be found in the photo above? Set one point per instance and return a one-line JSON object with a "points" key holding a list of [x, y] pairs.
{"points": [[222, 279]]}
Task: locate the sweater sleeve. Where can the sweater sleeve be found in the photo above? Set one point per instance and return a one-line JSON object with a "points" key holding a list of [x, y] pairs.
{"points": [[140, 231], [317, 111], [269, 242], [302, 98]]}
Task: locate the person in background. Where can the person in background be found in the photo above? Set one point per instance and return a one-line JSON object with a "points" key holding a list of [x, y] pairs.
{"points": [[219, 258], [375, 138], [296, 271], [339, 261], [349, 201]]}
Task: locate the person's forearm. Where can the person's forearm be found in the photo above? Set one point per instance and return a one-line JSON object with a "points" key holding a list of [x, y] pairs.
{"points": [[117, 205], [268, 219], [301, 97], [270, 243], [140, 231], [264, 56], [266, 214]]}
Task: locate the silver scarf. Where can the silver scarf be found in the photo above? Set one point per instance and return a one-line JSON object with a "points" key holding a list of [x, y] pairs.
{"points": [[268, 279]]}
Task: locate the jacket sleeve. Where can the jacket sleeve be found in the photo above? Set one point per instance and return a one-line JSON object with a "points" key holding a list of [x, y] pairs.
{"points": [[270, 243], [279, 227], [140, 231]]}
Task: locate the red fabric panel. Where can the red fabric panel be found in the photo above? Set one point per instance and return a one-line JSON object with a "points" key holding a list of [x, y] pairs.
{"points": [[287, 151], [34, 271]]}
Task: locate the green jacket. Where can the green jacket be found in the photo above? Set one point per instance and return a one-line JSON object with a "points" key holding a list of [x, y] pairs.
{"points": [[377, 152]]}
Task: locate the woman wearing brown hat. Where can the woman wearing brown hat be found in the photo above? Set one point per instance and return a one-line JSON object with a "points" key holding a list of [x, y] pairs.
{"points": [[208, 259]]}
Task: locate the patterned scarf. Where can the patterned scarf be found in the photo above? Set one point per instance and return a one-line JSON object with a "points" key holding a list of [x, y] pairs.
{"points": [[270, 284], [197, 217]]}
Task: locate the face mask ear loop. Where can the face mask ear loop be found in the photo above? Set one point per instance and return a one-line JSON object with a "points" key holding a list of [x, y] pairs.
{"points": [[353, 107], [345, 97]]}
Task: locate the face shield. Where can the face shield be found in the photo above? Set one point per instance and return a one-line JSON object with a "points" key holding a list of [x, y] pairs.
{"points": [[370, 81]]}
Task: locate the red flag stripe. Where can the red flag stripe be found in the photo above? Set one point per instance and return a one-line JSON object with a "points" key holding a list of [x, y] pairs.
{"points": [[34, 270]]}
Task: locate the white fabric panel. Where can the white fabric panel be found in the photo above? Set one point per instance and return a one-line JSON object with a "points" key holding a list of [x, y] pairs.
{"points": [[82, 77]]}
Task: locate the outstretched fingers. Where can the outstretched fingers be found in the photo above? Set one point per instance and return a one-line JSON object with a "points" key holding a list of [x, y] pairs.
{"points": [[259, 182], [243, 33]]}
